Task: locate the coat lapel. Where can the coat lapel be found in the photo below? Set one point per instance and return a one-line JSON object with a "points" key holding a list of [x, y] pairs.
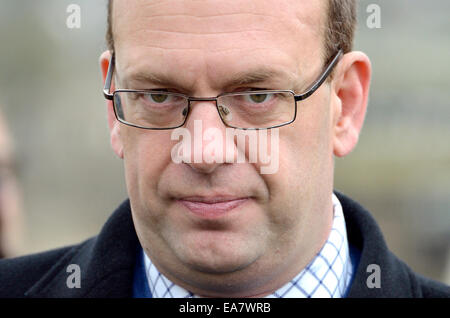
{"points": [[364, 234]]}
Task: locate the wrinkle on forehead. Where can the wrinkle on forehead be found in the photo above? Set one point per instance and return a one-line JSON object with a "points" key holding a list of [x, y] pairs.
{"points": [[201, 17], [209, 31]]}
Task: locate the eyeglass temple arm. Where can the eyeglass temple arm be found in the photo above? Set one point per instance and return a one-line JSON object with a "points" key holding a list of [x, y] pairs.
{"points": [[107, 88], [321, 79]]}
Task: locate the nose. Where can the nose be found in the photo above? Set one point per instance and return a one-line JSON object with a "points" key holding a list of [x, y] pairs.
{"points": [[209, 147]]}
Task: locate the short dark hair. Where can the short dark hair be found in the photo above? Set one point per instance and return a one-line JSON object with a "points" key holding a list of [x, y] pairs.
{"points": [[339, 29]]}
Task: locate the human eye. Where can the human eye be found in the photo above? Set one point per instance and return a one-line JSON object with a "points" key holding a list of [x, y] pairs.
{"points": [[258, 98], [158, 98], [145, 101]]}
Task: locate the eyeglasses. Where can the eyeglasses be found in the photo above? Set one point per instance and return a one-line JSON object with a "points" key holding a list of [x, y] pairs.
{"points": [[259, 109]]}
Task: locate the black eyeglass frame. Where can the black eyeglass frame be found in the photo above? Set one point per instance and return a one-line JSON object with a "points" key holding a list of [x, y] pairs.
{"points": [[297, 97]]}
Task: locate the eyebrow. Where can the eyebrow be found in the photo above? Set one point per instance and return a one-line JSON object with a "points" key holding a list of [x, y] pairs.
{"points": [[149, 78], [256, 76]]}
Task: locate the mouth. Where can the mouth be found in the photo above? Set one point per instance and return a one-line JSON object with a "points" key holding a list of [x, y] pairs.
{"points": [[212, 207]]}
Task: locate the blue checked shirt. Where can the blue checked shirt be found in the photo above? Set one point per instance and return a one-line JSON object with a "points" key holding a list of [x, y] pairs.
{"points": [[328, 275]]}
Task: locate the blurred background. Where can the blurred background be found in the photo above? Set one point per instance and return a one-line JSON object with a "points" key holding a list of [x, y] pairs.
{"points": [[69, 180]]}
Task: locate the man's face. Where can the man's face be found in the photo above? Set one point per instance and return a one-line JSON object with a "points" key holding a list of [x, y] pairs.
{"points": [[279, 221]]}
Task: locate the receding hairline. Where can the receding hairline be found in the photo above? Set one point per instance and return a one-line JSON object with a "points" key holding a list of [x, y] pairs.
{"points": [[339, 26]]}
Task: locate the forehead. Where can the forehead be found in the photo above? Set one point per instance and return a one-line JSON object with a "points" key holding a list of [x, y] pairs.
{"points": [[196, 34]]}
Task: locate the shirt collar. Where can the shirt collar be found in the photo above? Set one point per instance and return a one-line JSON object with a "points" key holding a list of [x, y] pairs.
{"points": [[327, 275]]}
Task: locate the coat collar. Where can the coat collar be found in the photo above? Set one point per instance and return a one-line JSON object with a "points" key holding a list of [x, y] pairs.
{"points": [[107, 261], [364, 234]]}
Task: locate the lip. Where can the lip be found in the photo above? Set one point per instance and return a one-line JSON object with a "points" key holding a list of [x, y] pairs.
{"points": [[212, 207]]}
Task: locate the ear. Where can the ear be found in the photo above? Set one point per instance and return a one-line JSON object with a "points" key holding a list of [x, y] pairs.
{"points": [[351, 90], [113, 123]]}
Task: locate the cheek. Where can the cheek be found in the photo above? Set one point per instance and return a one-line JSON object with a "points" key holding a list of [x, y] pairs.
{"points": [[311, 136], [146, 155], [305, 163]]}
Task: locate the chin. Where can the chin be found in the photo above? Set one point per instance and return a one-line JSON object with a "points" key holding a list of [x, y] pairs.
{"points": [[219, 256], [218, 266]]}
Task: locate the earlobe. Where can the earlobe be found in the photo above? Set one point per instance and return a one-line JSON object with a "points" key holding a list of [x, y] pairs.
{"points": [[113, 123], [351, 89]]}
